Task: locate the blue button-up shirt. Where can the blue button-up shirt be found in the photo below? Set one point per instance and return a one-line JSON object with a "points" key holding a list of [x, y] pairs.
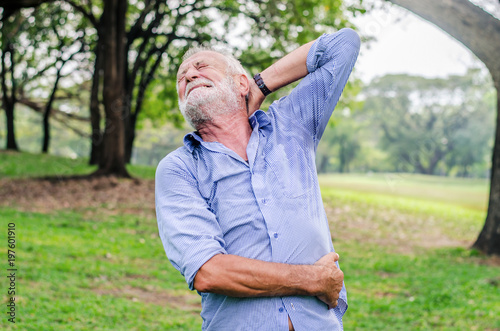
{"points": [[210, 201]]}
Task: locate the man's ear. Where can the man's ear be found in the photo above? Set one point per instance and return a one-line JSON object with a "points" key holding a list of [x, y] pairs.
{"points": [[244, 84]]}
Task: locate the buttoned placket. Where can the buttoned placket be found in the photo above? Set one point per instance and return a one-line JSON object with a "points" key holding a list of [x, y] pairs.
{"points": [[260, 189]]}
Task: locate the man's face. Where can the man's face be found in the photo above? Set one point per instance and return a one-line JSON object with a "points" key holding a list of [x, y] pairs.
{"points": [[205, 90], [203, 71]]}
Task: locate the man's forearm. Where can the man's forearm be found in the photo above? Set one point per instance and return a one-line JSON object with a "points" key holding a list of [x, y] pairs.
{"points": [[288, 69], [238, 276]]}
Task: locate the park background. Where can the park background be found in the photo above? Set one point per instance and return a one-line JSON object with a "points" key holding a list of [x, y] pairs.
{"points": [[404, 165]]}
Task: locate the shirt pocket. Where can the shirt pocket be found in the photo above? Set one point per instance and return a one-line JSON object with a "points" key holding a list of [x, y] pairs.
{"points": [[291, 167]]}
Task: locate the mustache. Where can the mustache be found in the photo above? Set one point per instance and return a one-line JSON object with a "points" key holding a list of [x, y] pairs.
{"points": [[197, 82]]}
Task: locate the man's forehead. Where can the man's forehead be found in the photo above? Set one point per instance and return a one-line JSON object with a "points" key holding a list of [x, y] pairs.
{"points": [[209, 57]]}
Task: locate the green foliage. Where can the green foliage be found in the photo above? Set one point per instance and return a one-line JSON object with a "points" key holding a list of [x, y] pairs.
{"points": [[425, 121], [339, 146], [158, 33], [160, 103], [415, 124], [46, 42], [258, 33]]}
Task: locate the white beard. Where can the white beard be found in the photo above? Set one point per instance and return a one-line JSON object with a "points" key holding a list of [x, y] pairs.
{"points": [[204, 104]]}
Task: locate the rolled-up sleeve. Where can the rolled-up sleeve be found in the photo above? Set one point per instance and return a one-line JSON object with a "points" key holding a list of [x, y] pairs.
{"points": [[329, 63], [188, 228]]}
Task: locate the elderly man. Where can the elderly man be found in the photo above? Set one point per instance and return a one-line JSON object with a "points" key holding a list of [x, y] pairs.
{"points": [[239, 207]]}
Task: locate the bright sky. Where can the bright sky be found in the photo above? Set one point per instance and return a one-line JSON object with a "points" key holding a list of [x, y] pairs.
{"points": [[406, 43]]}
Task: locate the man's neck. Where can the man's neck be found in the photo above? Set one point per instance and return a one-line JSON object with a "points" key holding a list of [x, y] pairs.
{"points": [[231, 131]]}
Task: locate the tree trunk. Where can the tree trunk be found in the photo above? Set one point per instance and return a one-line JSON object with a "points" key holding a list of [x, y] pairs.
{"points": [[9, 116], [131, 113], [46, 132], [129, 123], [489, 238], [130, 130], [129, 141], [342, 158], [480, 32], [95, 111], [112, 32], [322, 164], [46, 113], [8, 101], [433, 162]]}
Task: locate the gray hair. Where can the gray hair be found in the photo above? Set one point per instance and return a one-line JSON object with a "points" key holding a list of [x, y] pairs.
{"points": [[234, 66]]}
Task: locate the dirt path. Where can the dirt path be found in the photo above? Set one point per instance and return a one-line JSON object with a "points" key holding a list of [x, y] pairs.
{"points": [[46, 195]]}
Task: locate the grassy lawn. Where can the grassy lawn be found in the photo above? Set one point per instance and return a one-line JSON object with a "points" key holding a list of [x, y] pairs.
{"points": [[25, 165], [403, 246], [465, 192]]}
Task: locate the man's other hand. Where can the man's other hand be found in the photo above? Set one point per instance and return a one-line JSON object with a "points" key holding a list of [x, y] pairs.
{"points": [[255, 98], [331, 279]]}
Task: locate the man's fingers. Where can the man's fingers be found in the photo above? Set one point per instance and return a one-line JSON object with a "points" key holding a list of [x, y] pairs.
{"points": [[335, 256], [327, 259], [334, 304]]}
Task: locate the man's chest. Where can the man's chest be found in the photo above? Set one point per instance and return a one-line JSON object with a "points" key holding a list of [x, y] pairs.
{"points": [[271, 201]]}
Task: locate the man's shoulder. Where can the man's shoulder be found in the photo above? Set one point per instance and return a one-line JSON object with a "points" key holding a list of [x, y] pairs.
{"points": [[177, 161]]}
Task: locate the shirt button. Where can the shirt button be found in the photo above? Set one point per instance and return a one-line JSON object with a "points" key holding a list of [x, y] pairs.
{"points": [[264, 201], [281, 309], [275, 235]]}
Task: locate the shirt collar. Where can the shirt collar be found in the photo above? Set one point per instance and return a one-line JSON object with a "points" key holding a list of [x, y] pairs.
{"points": [[193, 139], [260, 118]]}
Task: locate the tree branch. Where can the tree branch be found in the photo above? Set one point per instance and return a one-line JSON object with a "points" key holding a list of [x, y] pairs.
{"points": [[134, 30], [38, 107], [66, 124], [146, 79], [88, 14]]}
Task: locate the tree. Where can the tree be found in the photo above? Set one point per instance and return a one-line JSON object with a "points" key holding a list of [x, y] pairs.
{"points": [[113, 41], [471, 157], [62, 45], [38, 48], [479, 31], [11, 24], [424, 121], [340, 140]]}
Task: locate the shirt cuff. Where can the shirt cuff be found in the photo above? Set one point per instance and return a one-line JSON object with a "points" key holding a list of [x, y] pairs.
{"points": [[196, 261], [315, 53]]}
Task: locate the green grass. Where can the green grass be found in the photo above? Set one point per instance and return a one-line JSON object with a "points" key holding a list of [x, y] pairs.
{"points": [[25, 165], [72, 272], [394, 283], [404, 254], [465, 192]]}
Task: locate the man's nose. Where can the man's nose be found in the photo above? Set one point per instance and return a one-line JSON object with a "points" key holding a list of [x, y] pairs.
{"points": [[191, 74]]}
